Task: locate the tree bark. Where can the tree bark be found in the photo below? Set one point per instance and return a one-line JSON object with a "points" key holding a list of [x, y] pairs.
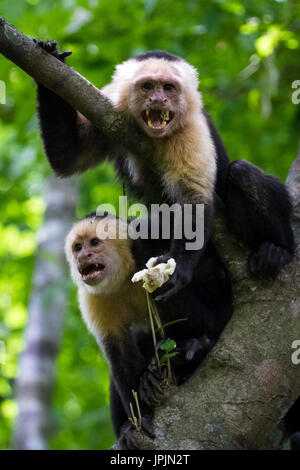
{"points": [[42, 337], [248, 382]]}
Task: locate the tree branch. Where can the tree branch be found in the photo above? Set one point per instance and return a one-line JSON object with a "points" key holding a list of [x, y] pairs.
{"points": [[73, 88], [248, 382]]}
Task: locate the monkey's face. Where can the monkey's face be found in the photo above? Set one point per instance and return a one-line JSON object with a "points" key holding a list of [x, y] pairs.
{"points": [[157, 104], [97, 263], [89, 256], [160, 95]]}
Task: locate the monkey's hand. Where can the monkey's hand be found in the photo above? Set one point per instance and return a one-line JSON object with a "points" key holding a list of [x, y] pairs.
{"points": [[127, 439], [151, 386], [51, 47], [179, 279]]}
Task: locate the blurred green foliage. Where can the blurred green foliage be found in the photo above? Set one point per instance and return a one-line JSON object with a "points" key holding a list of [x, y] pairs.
{"points": [[247, 54]]}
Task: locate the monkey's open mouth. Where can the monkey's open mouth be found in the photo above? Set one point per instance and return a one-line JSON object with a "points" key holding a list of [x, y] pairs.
{"points": [[157, 119], [92, 272]]}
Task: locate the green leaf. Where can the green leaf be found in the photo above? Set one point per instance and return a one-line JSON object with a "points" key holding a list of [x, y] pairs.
{"points": [[168, 345]]}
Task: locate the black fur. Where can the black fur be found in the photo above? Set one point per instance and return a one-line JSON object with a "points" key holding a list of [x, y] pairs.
{"points": [[205, 315], [130, 354], [259, 211], [158, 54], [257, 205], [127, 364]]}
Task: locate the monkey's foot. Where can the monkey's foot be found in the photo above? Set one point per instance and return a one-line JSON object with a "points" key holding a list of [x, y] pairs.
{"points": [[128, 440], [179, 279], [51, 47], [268, 260], [194, 346]]}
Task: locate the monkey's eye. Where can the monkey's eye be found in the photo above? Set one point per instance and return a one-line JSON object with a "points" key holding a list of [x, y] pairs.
{"points": [[147, 86], [95, 241], [169, 86], [77, 247]]}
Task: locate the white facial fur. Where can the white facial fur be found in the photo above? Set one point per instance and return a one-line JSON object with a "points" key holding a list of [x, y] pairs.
{"points": [[127, 94]]}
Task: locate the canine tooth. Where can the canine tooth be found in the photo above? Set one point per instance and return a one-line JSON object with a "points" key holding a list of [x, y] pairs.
{"points": [[163, 124], [147, 112], [165, 115], [150, 123]]}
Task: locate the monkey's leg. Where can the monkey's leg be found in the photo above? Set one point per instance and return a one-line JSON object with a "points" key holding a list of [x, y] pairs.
{"points": [[258, 209], [118, 415], [71, 142], [126, 367], [122, 427]]}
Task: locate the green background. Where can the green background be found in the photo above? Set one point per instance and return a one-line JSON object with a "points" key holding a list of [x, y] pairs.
{"points": [[247, 54]]}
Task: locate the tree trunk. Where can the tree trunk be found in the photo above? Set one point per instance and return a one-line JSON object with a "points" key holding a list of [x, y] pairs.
{"points": [[42, 337]]}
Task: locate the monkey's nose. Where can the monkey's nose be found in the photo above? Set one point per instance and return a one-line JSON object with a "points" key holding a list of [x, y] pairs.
{"points": [[83, 257]]}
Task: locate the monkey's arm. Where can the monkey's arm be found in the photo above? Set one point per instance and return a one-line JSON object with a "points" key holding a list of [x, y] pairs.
{"points": [[186, 250], [259, 210], [72, 143]]}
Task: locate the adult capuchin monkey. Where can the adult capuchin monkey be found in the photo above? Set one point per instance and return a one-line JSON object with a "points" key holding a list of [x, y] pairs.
{"points": [[159, 92], [115, 311]]}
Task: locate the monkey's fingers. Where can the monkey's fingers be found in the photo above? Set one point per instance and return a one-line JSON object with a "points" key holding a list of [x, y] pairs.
{"points": [[149, 388], [166, 291], [147, 395], [63, 55], [162, 259], [48, 46], [155, 382], [153, 366], [196, 345], [51, 48], [179, 279]]}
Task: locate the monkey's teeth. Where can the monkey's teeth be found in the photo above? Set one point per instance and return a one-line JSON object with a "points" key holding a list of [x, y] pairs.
{"points": [[147, 112], [161, 126], [165, 115]]}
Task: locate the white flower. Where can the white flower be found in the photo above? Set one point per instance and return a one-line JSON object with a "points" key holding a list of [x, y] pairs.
{"points": [[155, 276]]}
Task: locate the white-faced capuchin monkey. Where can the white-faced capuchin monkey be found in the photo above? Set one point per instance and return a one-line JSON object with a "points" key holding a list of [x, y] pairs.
{"points": [[115, 311], [159, 92]]}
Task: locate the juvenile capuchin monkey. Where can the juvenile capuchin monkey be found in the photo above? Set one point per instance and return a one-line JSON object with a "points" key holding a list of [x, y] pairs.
{"points": [[115, 311], [159, 92]]}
